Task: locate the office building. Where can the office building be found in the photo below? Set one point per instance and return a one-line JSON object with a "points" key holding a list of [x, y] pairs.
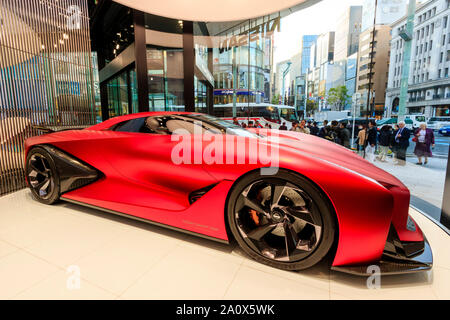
{"points": [[380, 43], [429, 82]]}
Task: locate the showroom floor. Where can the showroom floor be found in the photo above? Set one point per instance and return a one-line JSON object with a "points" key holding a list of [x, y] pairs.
{"points": [[43, 247]]}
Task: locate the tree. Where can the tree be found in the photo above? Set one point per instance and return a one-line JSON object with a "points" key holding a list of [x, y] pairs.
{"points": [[311, 106], [276, 99], [338, 97]]}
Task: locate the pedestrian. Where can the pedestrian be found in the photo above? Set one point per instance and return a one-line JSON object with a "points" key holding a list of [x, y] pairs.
{"points": [[303, 128], [344, 135], [326, 132], [371, 143], [283, 126], [424, 139], [335, 131], [361, 138], [294, 126], [384, 139], [314, 130], [401, 143]]}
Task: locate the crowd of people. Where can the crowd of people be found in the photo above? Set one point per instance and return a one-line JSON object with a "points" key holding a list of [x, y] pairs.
{"points": [[369, 139]]}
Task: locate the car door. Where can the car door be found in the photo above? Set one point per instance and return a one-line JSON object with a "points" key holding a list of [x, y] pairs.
{"points": [[143, 155]]}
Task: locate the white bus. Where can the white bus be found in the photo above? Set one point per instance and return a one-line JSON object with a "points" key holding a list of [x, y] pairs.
{"points": [[259, 113]]}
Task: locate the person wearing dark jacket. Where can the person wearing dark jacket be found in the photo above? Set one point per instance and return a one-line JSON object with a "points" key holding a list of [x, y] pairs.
{"points": [[314, 129], [326, 132], [384, 140], [344, 135], [335, 131], [401, 143], [371, 142]]}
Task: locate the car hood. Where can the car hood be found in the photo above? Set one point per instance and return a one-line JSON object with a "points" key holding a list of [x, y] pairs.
{"points": [[333, 153]]}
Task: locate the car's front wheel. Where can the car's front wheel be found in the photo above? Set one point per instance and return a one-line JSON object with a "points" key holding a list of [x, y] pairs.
{"points": [[42, 176], [283, 221]]}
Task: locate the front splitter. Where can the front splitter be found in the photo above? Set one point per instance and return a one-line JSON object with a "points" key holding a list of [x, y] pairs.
{"points": [[393, 265]]}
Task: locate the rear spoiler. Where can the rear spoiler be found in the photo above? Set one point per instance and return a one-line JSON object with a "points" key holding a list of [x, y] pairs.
{"points": [[43, 129]]}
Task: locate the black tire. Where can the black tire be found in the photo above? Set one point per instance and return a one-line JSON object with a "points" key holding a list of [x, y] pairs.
{"points": [[317, 222], [40, 169]]}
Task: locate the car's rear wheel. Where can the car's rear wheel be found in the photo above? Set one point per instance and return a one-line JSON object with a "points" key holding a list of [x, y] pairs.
{"points": [[284, 221], [42, 176]]}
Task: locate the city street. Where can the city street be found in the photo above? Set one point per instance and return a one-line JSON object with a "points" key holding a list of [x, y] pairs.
{"points": [[426, 183]]}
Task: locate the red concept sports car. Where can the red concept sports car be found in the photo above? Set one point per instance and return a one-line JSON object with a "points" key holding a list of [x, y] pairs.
{"points": [[321, 199]]}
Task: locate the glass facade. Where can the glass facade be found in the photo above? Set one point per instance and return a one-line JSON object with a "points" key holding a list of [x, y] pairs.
{"points": [[164, 55], [122, 94], [235, 59]]}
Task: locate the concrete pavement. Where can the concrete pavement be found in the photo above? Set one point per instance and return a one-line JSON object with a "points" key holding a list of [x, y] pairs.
{"points": [[426, 183]]}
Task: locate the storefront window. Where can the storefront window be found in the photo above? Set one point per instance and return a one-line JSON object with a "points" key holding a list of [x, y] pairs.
{"points": [[164, 38], [122, 94]]}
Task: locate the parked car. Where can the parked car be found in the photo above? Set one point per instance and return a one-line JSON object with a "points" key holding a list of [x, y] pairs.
{"points": [[437, 123], [445, 131], [291, 219]]}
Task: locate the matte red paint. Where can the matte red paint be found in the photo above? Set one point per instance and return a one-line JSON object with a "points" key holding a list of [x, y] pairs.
{"points": [[140, 179]]}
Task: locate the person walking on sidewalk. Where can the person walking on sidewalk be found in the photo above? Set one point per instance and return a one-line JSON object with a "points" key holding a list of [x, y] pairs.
{"points": [[371, 141], [401, 143], [385, 138], [424, 139], [361, 138]]}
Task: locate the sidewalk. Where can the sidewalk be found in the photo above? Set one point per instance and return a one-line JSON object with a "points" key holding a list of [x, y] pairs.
{"points": [[426, 183]]}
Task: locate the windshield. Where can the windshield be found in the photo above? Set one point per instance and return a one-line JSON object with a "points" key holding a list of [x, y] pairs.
{"points": [[288, 114], [226, 127]]}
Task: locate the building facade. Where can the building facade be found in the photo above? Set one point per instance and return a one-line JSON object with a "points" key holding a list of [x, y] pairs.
{"points": [[373, 102], [429, 82], [321, 74], [387, 12], [308, 42], [346, 45]]}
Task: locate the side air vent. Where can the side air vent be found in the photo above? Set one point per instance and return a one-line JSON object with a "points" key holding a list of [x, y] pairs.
{"points": [[197, 194]]}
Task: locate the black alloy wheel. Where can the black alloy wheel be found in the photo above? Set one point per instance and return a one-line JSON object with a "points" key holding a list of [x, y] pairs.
{"points": [[42, 176], [283, 221]]}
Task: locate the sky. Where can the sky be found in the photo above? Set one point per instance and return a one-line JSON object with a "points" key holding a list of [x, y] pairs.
{"points": [[317, 19]]}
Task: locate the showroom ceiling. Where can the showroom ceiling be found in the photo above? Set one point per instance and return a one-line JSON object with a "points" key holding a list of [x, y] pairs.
{"points": [[209, 11]]}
